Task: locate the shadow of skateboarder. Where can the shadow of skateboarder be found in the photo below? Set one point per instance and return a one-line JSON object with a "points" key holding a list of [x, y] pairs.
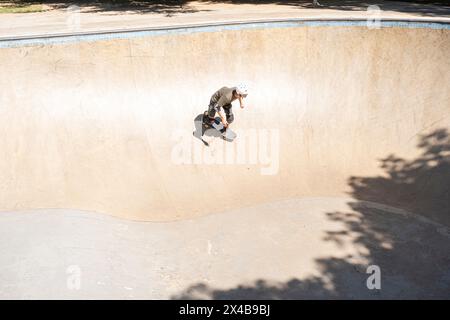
{"points": [[213, 129]]}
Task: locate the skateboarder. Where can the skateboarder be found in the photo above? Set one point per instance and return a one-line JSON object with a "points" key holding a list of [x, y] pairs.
{"points": [[222, 99]]}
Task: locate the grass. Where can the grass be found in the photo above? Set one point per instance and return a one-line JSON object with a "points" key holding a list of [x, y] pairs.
{"points": [[21, 8]]}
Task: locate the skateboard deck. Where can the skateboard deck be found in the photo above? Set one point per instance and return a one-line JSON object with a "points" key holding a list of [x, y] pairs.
{"points": [[226, 133]]}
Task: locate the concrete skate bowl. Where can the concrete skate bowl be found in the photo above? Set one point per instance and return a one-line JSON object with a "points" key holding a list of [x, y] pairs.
{"points": [[341, 162]]}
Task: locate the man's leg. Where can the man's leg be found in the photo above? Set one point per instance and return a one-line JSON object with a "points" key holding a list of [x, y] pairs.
{"points": [[212, 109], [229, 113], [210, 113]]}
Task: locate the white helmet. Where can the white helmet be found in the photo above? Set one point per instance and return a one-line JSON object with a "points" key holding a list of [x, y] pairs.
{"points": [[242, 89]]}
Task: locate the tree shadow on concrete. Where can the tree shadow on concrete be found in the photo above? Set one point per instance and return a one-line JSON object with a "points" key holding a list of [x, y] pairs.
{"points": [[173, 7], [423, 8], [421, 185], [165, 7], [412, 252], [310, 288]]}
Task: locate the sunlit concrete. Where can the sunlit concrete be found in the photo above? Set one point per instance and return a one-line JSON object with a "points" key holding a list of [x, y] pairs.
{"points": [[98, 131], [315, 248], [88, 17], [106, 125]]}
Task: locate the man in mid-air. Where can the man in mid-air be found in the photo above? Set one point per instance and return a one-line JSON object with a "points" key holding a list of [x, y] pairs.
{"points": [[222, 99]]}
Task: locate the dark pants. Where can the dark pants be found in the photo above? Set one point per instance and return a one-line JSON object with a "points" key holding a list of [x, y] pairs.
{"points": [[228, 112]]}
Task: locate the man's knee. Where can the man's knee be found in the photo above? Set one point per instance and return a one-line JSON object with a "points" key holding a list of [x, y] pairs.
{"points": [[211, 111], [229, 113]]}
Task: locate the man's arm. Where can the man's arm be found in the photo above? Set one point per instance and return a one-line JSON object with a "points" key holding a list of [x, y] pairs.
{"points": [[218, 111], [222, 116], [241, 102]]}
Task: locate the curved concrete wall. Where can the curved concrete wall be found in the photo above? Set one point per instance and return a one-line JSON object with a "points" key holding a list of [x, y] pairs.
{"points": [[104, 123]]}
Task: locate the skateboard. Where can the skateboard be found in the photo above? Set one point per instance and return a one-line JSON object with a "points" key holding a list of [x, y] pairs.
{"points": [[226, 133]]}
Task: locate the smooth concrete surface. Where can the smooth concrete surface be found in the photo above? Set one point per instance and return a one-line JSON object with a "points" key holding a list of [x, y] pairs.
{"points": [[316, 248], [341, 162], [106, 125]]}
